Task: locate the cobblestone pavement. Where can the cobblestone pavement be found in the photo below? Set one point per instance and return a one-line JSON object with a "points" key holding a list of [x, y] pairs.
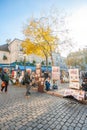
{"points": [[40, 112]]}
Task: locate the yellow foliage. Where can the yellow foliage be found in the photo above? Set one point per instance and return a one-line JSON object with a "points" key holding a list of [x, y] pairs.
{"points": [[39, 41]]}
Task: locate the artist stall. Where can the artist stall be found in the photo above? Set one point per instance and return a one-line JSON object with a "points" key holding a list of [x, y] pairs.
{"points": [[39, 79], [55, 75], [74, 86]]}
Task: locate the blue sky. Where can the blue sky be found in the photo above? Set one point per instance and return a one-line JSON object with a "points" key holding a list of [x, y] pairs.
{"points": [[15, 13]]}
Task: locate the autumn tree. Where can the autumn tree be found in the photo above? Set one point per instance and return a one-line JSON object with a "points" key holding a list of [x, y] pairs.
{"points": [[40, 39], [76, 59]]}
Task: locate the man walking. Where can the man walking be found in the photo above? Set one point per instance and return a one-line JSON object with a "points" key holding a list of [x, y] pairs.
{"points": [[27, 81], [5, 79]]}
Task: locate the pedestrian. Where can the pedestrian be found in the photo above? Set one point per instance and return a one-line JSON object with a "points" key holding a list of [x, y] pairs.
{"points": [[47, 84], [33, 79], [46, 75], [0, 72], [5, 80], [55, 86], [27, 81], [20, 80]]}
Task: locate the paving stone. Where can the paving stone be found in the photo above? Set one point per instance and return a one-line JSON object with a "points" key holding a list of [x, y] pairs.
{"points": [[35, 128], [29, 128], [67, 124], [62, 123], [77, 128], [75, 121], [52, 126], [49, 129], [46, 126], [42, 129], [39, 126], [73, 124], [64, 128], [58, 127], [64, 120], [84, 128], [70, 128], [86, 121], [79, 125], [69, 121], [81, 121]]}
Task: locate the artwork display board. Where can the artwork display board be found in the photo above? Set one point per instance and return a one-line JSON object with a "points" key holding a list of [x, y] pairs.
{"points": [[40, 80], [55, 73], [77, 94], [74, 79], [74, 75]]}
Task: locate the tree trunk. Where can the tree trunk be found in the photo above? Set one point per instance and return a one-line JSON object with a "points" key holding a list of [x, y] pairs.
{"points": [[52, 59], [47, 62]]}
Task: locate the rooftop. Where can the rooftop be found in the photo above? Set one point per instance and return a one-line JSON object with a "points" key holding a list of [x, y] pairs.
{"points": [[4, 47]]}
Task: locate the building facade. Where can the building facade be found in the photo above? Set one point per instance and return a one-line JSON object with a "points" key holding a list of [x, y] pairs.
{"points": [[13, 52], [4, 54]]}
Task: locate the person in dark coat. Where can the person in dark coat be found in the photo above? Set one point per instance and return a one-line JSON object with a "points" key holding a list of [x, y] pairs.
{"points": [[47, 84], [27, 82], [46, 75], [5, 79], [84, 83]]}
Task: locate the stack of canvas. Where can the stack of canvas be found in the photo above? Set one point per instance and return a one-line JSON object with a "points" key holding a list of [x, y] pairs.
{"points": [[74, 85], [55, 73], [74, 79], [77, 94]]}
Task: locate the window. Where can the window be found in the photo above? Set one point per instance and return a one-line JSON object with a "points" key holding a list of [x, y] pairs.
{"points": [[4, 57], [20, 48]]}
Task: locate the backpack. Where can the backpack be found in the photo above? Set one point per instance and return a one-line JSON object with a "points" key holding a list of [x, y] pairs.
{"points": [[4, 77]]}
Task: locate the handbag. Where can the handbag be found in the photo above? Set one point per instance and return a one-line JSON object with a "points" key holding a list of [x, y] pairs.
{"points": [[3, 84]]}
